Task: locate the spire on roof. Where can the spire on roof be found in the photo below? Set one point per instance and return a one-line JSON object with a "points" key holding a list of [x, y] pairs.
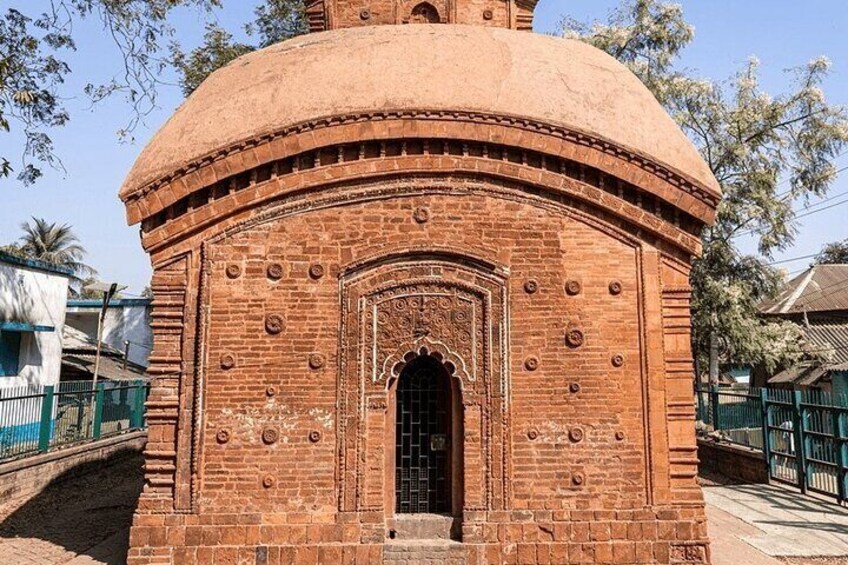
{"points": [[335, 14]]}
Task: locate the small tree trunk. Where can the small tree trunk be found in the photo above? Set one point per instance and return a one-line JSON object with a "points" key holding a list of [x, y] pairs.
{"points": [[713, 359]]}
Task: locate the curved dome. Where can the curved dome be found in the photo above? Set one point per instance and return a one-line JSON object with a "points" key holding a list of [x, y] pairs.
{"points": [[437, 67]]}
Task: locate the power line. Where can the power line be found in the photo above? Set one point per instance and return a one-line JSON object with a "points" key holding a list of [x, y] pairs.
{"points": [[821, 209], [792, 260], [812, 211]]}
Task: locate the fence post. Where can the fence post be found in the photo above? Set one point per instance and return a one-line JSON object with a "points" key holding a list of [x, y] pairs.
{"points": [[46, 423], [138, 406], [800, 447], [839, 443], [98, 409], [766, 419], [714, 406], [699, 395]]}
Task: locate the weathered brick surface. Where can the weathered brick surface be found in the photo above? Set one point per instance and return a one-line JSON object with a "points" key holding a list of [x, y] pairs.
{"points": [[733, 462], [296, 274]]}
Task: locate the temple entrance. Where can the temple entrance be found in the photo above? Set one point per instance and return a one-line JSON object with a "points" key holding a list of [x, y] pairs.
{"points": [[423, 438]]}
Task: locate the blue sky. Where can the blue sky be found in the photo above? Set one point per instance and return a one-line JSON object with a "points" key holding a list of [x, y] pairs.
{"points": [[781, 33]]}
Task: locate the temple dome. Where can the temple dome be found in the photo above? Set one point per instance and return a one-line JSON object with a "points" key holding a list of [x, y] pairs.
{"points": [[497, 71]]}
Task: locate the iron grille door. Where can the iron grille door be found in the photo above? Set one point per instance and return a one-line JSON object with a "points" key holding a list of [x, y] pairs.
{"points": [[421, 444]]}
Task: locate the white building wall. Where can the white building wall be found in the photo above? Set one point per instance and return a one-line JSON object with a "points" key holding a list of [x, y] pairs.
{"points": [[126, 320], [36, 297]]}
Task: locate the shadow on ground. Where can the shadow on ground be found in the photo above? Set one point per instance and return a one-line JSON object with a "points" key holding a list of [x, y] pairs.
{"points": [[87, 511]]}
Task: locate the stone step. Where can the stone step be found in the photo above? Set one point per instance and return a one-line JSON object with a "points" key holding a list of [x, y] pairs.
{"points": [[423, 552], [422, 527]]}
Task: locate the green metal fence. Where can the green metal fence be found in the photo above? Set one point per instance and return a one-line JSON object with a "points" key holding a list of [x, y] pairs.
{"points": [[36, 420], [803, 435]]}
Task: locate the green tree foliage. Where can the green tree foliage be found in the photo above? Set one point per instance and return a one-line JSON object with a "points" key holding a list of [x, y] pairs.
{"points": [[833, 253], [767, 152], [32, 70], [276, 20], [56, 244], [217, 50]]}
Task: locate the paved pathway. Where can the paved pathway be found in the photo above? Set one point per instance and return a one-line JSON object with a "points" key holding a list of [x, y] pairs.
{"points": [[757, 524]]}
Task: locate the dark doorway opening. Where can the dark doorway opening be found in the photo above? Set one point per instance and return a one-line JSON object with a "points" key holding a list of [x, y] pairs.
{"points": [[423, 438]]}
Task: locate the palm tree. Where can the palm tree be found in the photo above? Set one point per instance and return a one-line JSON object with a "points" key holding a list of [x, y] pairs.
{"points": [[58, 245]]}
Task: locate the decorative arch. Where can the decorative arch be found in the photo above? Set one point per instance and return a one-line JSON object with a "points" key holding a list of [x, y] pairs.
{"points": [[395, 363], [395, 308]]}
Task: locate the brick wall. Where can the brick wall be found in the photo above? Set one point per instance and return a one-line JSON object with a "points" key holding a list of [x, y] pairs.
{"points": [[23, 479], [734, 462], [564, 467]]}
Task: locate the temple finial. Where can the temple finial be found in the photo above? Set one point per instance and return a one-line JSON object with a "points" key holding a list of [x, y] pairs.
{"points": [[334, 14]]}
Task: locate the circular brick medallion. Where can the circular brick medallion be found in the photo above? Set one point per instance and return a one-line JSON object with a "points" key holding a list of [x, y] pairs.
{"points": [[227, 361], [573, 288], [488, 15], [615, 288], [365, 14], [270, 436], [578, 479], [531, 286], [271, 391], [316, 361], [316, 271], [531, 363], [619, 435], [576, 434], [268, 481], [421, 215], [274, 271], [223, 436], [274, 324], [574, 388], [314, 436], [574, 338], [533, 434], [233, 271], [617, 360]]}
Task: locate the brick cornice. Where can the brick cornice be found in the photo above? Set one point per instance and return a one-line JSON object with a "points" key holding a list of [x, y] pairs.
{"points": [[676, 188]]}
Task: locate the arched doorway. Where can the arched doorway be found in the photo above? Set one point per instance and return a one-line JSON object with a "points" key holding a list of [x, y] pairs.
{"points": [[426, 449], [424, 13]]}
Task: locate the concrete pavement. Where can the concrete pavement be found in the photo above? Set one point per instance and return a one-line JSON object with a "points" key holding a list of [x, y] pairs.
{"points": [[775, 523]]}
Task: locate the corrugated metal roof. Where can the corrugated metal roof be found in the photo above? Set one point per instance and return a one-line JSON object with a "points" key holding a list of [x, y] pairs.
{"points": [[110, 368], [822, 288], [800, 375], [827, 338], [74, 340], [830, 339], [79, 350]]}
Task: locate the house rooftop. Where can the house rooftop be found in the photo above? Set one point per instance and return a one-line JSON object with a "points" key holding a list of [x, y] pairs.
{"points": [[118, 303], [34, 264], [821, 288]]}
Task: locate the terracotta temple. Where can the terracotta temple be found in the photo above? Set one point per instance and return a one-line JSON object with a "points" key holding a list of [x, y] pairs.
{"points": [[421, 296]]}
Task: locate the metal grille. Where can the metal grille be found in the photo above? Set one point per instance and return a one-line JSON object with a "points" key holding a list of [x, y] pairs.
{"points": [[421, 445]]}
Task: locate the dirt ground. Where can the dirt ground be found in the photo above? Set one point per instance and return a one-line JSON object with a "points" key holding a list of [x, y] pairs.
{"points": [[81, 521]]}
